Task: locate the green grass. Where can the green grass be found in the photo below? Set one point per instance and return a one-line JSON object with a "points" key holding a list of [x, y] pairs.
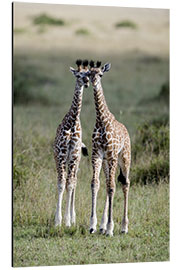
{"points": [[131, 88], [146, 241]]}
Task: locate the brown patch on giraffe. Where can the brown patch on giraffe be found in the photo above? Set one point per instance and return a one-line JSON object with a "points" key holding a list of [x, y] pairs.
{"points": [[75, 139], [104, 137], [77, 134]]}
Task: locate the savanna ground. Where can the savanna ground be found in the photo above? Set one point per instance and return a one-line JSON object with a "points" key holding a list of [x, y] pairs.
{"points": [[47, 41]]}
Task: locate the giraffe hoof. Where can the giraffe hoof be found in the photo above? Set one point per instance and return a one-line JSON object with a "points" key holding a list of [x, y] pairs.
{"points": [[57, 222], [92, 231], [109, 234], [102, 231], [124, 232]]}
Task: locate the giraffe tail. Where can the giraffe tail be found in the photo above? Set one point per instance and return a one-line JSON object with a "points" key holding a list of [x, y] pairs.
{"points": [[121, 178], [84, 149]]}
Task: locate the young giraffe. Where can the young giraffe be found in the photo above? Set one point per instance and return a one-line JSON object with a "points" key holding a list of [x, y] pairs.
{"points": [[110, 146], [67, 147]]}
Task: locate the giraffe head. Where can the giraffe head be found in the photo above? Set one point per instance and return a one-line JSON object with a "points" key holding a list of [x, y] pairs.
{"points": [[81, 73], [96, 72]]}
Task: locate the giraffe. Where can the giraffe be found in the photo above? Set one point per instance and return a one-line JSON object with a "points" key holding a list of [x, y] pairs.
{"points": [[67, 147], [110, 147]]}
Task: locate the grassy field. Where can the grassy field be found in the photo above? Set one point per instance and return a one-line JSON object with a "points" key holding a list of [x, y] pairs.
{"points": [[146, 241], [136, 90]]}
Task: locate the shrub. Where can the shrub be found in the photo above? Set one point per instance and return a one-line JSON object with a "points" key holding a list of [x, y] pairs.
{"points": [[164, 92], [45, 19], [126, 24], [150, 152], [152, 137], [19, 30], [153, 170], [82, 31]]}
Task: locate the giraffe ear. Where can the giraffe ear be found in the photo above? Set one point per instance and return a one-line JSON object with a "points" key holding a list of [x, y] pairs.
{"points": [[106, 67], [73, 71]]}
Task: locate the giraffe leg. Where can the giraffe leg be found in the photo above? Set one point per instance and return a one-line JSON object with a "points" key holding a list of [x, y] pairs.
{"points": [[103, 226], [125, 221], [124, 161], [69, 189], [73, 213], [61, 187], [97, 163], [110, 191], [73, 166], [104, 220]]}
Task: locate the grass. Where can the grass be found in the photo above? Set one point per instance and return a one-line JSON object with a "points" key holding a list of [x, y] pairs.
{"points": [[147, 239], [127, 87]]}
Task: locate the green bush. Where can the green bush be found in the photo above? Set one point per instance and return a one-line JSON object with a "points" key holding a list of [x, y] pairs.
{"points": [[164, 92], [45, 19], [152, 137], [126, 24], [150, 152], [19, 30], [155, 170], [82, 31]]}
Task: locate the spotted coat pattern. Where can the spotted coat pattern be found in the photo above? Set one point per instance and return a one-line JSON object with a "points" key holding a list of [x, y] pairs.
{"points": [[67, 150], [110, 146]]}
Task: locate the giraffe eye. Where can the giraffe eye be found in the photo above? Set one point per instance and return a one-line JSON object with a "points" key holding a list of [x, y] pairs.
{"points": [[78, 76], [100, 75]]}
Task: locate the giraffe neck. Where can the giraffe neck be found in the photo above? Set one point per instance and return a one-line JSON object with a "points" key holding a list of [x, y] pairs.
{"points": [[102, 111], [76, 102]]}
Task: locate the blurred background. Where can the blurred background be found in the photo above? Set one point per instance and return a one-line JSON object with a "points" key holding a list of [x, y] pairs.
{"points": [[47, 40]]}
